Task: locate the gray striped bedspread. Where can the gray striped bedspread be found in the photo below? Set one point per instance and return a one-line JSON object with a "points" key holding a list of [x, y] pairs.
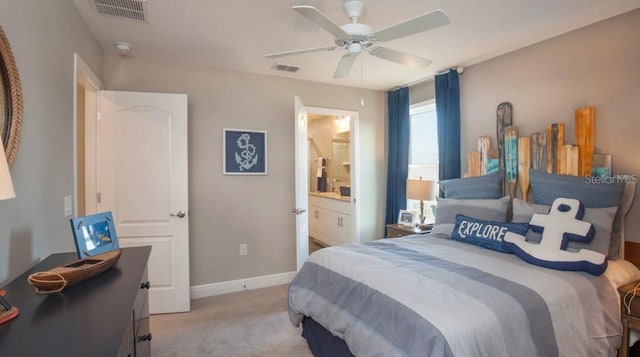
{"points": [[427, 296]]}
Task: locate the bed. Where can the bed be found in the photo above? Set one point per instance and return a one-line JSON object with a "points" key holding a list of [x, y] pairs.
{"points": [[435, 296]]}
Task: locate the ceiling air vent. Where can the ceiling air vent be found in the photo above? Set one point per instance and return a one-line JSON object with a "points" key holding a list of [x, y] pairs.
{"points": [[285, 68], [126, 9]]}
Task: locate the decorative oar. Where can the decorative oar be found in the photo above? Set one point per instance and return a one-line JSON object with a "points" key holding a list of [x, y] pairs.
{"points": [[473, 163], [511, 157], [555, 140], [601, 165], [585, 138], [504, 119], [539, 151], [524, 163], [493, 163], [568, 160], [484, 145]]}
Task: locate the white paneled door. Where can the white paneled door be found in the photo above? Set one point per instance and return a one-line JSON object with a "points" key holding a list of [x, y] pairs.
{"points": [[142, 177], [302, 182]]}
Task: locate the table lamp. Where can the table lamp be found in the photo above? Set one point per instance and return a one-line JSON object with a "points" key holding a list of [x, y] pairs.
{"points": [[422, 190], [7, 311], [6, 186]]}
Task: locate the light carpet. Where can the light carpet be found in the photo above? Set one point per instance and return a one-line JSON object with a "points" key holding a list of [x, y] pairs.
{"points": [[247, 323]]}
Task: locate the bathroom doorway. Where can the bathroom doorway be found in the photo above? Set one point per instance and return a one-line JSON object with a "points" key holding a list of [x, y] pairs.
{"points": [[332, 173]]}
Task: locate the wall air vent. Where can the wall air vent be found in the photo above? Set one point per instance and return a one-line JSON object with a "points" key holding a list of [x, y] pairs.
{"points": [[285, 68], [125, 9]]}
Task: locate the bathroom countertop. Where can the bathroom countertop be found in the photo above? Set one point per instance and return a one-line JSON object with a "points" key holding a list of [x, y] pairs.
{"points": [[332, 195]]}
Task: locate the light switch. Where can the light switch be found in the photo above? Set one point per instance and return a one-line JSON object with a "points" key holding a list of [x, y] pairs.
{"points": [[68, 206]]}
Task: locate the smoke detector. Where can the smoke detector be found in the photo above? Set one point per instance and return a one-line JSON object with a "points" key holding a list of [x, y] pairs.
{"points": [[123, 48]]}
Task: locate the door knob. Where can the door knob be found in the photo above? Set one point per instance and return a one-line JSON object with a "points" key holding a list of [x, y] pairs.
{"points": [[146, 285], [180, 214]]}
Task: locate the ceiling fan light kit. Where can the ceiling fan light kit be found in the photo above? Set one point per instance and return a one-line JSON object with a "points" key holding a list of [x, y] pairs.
{"points": [[355, 37], [354, 48]]}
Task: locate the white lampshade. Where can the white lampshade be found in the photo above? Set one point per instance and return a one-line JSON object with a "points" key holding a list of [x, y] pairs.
{"points": [[6, 186], [420, 190]]}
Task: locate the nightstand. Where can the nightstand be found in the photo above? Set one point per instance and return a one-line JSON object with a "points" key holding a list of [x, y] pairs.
{"points": [[398, 230], [631, 318]]}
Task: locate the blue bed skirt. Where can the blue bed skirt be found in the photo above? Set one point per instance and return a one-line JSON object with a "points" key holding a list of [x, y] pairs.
{"points": [[321, 342]]}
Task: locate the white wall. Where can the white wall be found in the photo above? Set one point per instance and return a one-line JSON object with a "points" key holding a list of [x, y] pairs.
{"points": [[228, 210], [597, 65], [44, 36]]}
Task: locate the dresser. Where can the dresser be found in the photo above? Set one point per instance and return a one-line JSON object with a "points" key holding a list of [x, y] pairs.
{"points": [[104, 316]]}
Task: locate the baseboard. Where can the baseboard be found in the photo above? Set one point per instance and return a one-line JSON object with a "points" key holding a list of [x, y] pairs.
{"points": [[225, 287]]}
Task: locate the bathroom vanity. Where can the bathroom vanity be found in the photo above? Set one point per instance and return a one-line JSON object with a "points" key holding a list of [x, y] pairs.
{"points": [[330, 218]]}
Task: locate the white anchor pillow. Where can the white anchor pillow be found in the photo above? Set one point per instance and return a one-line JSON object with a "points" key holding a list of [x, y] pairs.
{"points": [[601, 218], [561, 225]]}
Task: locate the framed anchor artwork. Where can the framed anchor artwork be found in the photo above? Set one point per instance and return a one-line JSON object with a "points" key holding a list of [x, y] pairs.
{"points": [[244, 152]]}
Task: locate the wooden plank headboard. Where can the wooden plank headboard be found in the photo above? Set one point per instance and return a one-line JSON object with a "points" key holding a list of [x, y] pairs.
{"points": [[634, 248], [632, 252]]}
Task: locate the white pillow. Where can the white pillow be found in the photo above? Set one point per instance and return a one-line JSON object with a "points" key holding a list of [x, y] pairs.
{"points": [[601, 218]]}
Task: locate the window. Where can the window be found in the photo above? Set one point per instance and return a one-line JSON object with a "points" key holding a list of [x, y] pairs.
{"points": [[423, 151]]}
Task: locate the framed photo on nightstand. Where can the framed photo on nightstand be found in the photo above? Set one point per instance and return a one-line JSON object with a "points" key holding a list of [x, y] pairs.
{"points": [[406, 218], [94, 234]]}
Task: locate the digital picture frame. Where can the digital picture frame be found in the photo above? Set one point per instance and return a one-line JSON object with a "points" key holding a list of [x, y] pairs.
{"points": [[94, 234]]}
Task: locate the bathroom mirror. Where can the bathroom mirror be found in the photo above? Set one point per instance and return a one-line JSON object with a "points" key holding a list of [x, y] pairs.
{"points": [[10, 101], [341, 163]]}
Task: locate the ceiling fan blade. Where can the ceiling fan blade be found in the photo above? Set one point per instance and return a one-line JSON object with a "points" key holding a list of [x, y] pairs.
{"points": [[321, 20], [299, 52], [406, 59], [344, 66], [428, 21]]}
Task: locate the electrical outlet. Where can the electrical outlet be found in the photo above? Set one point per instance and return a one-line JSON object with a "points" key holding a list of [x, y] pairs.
{"points": [[68, 206], [243, 249]]}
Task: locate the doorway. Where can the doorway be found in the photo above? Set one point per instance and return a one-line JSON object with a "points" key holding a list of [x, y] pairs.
{"points": [[144, 183], [339, 226], [85, 109]]}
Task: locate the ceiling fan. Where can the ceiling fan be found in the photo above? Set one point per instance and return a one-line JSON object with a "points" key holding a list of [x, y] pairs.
{"points": [[356, 37]]}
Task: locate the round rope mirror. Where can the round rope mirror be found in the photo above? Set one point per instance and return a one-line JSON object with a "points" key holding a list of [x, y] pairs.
{"points": [[10, 101]]}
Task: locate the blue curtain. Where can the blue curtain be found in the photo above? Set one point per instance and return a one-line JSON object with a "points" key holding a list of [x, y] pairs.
{"points": [[448, 111], [398, 153]]}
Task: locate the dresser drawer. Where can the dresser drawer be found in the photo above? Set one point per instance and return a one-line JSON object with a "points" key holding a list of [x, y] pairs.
{"points": [[140, 307], [397, 230], [127, 348], [143, 337], [394, 233]]}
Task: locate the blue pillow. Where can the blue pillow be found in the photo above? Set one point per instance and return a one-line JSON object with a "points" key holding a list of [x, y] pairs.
{"points": [[478, 187], [487, 234], [545, 188]]}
